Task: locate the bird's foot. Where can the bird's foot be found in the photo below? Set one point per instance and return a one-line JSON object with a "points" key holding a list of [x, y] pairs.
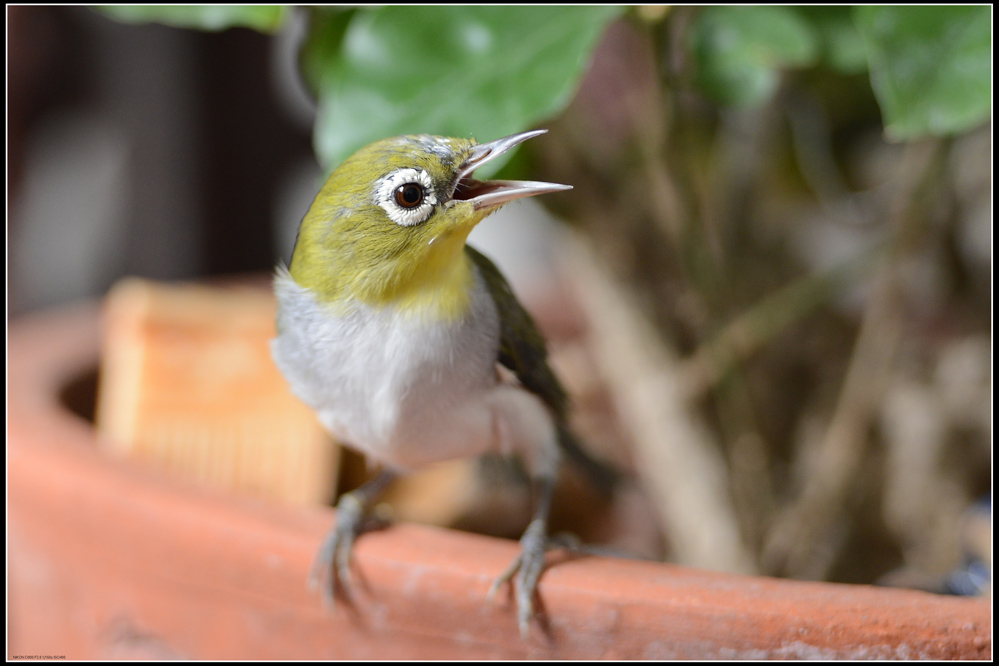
{"points": [[331, 568], [525, 570]]}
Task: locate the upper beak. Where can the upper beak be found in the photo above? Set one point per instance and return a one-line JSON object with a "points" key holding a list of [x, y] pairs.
{"points": [[486, 194]]}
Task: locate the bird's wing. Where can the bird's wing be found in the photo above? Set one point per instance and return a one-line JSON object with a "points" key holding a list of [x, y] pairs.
{"points": [[522, 349]]}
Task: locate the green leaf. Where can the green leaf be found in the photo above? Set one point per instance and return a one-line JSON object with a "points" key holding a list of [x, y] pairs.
{"points": [[479, 71], [843, 47], [931, 67], [739, 51], [265, 18], [321, 47]]}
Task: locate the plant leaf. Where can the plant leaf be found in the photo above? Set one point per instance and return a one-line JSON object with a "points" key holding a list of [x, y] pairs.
{"points": [[740, 49], [480, 71], [842, 46], [264, 18], [321, 47], [931, 67]]}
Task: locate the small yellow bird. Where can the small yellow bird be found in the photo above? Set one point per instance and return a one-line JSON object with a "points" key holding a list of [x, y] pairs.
{"points": [[392, 329]]}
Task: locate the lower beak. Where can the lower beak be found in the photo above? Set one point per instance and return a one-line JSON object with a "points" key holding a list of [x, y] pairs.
{"points": [[490, 193]]}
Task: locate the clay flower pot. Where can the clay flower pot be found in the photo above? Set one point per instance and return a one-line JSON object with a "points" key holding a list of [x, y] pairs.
{"points": [[108, 559]]}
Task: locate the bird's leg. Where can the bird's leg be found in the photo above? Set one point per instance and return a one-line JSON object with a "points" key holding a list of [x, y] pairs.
{"points": [[333, 559], [529, 564]]}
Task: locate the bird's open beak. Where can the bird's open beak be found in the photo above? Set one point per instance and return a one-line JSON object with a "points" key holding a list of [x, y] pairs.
{"points": [[490, 193]]}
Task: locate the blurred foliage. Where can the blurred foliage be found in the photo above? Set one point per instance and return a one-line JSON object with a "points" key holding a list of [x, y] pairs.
{"points": [[931, 67], [492, 71], [451, 70], [266, 18], [841, 43], [741, 50], [825, 289]]}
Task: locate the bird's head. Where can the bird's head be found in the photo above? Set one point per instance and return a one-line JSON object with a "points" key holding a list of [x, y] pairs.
{"points": [[392, 220]]}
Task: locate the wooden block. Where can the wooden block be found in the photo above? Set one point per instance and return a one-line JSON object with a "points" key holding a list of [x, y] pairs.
{"points": [[187, 383]]}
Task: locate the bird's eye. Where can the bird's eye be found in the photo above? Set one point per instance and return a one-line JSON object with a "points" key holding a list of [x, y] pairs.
{"points": [[409, 195]]}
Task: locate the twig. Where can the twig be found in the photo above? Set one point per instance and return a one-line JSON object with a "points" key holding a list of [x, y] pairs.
{"points": [[748, 332], [680, 464], [798, 545]]}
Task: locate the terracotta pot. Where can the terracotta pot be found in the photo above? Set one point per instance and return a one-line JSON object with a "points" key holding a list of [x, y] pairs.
{"points": [[110, 560]]}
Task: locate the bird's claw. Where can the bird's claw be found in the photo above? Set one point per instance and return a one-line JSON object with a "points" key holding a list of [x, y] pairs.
{"points": [[525, 571], [332, 562]]}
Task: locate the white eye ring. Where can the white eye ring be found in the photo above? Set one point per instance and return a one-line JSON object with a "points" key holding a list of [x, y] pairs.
{"points": [[385, 196]]}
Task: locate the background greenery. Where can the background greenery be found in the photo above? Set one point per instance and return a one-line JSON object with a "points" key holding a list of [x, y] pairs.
{"points": [[391, 70]]}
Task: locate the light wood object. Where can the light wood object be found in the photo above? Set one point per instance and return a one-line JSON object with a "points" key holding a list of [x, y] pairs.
{"points": [[187, 383]]}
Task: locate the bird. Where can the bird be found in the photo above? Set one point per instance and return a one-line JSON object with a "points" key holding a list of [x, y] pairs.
{"points": [[410, 345]]}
